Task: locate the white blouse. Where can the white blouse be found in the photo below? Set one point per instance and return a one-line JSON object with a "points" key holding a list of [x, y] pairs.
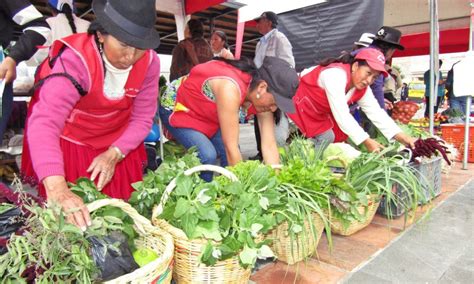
{"points": [[115, 80], [333, 81]]}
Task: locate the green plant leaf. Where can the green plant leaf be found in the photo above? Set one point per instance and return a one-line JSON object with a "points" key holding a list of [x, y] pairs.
{"points": [[182, 206], [208, 230], [184, 185], [202, 197], [206, 255], [189, 222], [255, 229], [248, 256], [263, 202]]}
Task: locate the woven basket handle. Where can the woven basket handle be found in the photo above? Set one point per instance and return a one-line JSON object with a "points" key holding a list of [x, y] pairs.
{"points": [[159, 209], [410, 154], [142, 224]]}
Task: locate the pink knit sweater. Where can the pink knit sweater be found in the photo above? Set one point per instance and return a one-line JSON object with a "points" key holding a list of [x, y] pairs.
{"points": [[58, 97]]}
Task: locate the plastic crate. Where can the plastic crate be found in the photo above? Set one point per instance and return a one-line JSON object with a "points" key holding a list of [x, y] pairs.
{"points": [[393, 209], [454, 134], [428, 171]]}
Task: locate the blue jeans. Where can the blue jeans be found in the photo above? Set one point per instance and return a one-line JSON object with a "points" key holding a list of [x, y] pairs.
{"points": [[7, 106], [208, 149]]}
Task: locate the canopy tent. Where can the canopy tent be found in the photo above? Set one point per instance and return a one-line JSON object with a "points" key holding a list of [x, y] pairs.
{"points": [[178, 7], [453, 40]]}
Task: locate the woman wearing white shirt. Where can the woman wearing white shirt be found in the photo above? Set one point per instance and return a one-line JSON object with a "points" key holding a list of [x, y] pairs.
{"points": [[63, 23], [219, 45], [324, 95]]}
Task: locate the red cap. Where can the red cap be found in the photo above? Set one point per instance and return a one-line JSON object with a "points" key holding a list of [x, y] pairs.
{"points": [[374, 58]]}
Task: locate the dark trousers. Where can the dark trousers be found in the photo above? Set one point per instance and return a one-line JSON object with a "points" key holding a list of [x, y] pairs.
{"points": [[437, 102], [7, 106], [256, 130]]}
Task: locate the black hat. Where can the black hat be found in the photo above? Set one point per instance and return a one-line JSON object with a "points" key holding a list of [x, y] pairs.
{"points": [[131, 24], [272, 17], [282, 80], [390, 36]]}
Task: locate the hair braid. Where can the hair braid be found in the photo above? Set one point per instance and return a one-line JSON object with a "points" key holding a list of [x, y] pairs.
{"points": [[67, 10]]}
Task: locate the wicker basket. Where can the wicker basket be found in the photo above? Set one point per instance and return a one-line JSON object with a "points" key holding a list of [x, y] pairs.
{"points": [[188, 268], [157, 271], [292, 250], [338, 228]]}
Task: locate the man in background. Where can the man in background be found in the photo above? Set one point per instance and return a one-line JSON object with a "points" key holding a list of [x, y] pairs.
{"points": [[272, 43], [439, 95], [404, 92], [457, 103]]}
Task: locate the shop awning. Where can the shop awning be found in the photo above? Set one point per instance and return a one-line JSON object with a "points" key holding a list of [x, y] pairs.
{"points": [[455, 40]]}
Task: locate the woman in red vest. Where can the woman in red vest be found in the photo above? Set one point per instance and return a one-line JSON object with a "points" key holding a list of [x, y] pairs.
{"points": [[90, 118], [203, 111], [324, 95]]}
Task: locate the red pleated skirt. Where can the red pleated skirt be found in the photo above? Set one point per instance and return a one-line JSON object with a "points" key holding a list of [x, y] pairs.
{"points": [[77, 158]]}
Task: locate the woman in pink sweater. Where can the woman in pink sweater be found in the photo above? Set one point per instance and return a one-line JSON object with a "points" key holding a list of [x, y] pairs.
{"points": [[92, 118]]}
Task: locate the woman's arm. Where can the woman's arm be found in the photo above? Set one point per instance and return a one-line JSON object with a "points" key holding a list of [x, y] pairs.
{"points": [[378, 116], [144, 109], [382, 121], [266, 124], [57, 98], [228, 104]]}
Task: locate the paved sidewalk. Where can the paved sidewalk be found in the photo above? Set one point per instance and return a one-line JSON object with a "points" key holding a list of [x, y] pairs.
{"points": [[438, 249]]}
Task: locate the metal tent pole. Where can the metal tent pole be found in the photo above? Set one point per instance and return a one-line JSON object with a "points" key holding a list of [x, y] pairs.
{"points": [[434, 66], [469, 98]]}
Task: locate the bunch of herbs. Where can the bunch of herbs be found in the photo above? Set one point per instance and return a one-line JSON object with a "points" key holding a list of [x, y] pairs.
{"points": [[378, 173], [50, 250], [148, 192], [306, 169], [225, 212]]}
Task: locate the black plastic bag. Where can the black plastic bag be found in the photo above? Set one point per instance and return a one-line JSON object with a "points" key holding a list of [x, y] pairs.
{"points": [[10, 221], [112, 255]]}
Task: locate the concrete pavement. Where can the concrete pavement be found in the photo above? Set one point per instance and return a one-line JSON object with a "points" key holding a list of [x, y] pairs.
{"points": [[437, 249]]}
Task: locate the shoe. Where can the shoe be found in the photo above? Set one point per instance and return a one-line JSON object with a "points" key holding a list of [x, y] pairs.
{"points": [[256, 157]]}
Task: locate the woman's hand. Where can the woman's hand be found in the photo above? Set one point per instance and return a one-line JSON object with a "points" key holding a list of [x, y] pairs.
{"points": [[8, 70], [75, 209], [388, 104], [103, 166], [372, 145], [405, 139]]}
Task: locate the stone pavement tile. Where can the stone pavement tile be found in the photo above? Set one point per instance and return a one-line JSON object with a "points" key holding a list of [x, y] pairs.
{"points": [[463, 197], [401, 265], [438, 248], [311, 271], [366, 278], [347, 252], [454, 222], [462, 269]]}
